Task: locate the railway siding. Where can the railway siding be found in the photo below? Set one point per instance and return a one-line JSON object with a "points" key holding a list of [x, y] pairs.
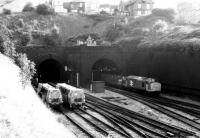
{"points": [[133, 105]]}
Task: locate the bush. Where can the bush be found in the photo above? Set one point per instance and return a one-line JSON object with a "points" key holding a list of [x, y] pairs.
{"points": [[27, 68], [167, 14], [7, 47], [25, 38], [45, 9], [28, 8], [113, 32], [6, 11], [55, 31]]}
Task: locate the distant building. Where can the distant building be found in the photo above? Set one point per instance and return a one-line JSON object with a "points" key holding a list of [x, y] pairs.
{"points": [[88, 42], [58, 6], [110, 9], [136, 8], [75, 6], [92, 7]]}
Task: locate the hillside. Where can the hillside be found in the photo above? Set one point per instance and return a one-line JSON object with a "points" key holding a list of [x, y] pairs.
{"points": [[69, 25], [161, 25], [22, 114]]}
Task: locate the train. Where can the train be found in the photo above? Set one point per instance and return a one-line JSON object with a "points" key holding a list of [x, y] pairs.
{"points": [[50, 95], [55, 95], [72, 96], [142, 84]]}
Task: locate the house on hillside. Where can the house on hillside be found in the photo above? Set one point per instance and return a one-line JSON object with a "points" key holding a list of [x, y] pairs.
{"points": [[136, 8], [110, 9], [75, 6], [58, 6], [92, 7]]}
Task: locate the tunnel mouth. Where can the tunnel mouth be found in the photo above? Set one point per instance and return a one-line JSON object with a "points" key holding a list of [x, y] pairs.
{"points": [[103, 66], [49, 71]]}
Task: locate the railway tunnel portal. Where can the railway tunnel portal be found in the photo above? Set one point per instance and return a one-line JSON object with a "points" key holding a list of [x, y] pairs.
{"points": [[73, 64], [69, 62], [49, 71], [103, 66]]}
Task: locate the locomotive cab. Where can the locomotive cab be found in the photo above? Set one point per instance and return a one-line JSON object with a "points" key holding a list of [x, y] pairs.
{"points": [[50, 95], [153, 87], [145, 84], [72, 96]]}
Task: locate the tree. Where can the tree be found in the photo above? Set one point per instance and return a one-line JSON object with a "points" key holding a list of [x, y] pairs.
{"points": [[113, 32], [184, 12], [184, 7], [45, 9], [28, 7], [6, 11], [167, 14]]}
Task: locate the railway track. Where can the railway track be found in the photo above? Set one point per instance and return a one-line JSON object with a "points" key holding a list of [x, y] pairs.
{"points": [[99, 127], [190, 108], [180, 102], [158, 106], [111, 128], [138, 128], [129, 117], [78, 125]]}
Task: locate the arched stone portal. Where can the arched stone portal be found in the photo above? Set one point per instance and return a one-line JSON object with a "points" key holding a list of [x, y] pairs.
{"points": [[103, 66], [49, 71]]}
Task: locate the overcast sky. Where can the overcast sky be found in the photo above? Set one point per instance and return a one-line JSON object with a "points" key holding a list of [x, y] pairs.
{"points": [[157, 3], [17, 5]]}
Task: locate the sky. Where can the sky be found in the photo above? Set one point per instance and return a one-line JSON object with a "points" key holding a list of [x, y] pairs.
{"points": [[19, 4], [157, 3]]}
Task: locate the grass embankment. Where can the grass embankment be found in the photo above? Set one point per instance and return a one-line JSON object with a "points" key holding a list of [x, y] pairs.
{"points": [[22, 113]]}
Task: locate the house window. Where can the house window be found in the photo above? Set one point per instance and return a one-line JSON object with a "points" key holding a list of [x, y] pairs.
{"points": [[139, 13], [148, 12], [139, 6], [81, 4], [143, 12], [148, 6]]}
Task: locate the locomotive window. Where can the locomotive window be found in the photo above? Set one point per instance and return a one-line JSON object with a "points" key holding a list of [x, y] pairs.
{"points": [[143, 84], [43, 90], [62, 90]]}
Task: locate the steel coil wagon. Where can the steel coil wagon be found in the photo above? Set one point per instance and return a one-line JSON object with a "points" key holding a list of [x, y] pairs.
{"points": [[72, 96], [50, 95]]}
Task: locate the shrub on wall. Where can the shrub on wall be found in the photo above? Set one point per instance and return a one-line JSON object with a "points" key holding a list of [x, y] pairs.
{"points": [[45, 9]]}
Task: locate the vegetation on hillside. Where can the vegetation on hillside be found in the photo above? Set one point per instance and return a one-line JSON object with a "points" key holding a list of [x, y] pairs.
{"points": [[17, 34], [158, 30], [45, 9], [160, 26], [28, 8], [6, 11]]}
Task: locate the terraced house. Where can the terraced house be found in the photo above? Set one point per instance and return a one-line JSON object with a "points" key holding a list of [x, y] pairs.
{"points": [[137, 8]]}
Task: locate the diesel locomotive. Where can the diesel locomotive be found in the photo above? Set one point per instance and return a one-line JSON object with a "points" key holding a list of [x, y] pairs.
{"points": [[72, 96], [144, 84], [50, 95]]}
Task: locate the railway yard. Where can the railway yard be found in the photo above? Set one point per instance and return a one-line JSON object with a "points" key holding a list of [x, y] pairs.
{"points": [[119, 113], [68, 73]]}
